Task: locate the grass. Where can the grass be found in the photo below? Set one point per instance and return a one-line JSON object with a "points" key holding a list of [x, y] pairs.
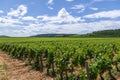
{"points": [[3, 71]]}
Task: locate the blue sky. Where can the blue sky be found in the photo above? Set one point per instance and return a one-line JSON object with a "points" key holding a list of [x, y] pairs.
{"points": [[30, 17]]}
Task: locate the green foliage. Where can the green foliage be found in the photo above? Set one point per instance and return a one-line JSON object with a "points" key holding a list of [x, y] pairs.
{"points": [[93, 70], [64, 57]]}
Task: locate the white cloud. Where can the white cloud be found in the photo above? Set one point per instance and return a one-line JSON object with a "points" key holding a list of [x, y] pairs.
{"points": [[69, 0], [29, 18], [50, 7], [63, 13], [72, 28], [8, 21], [62, 17], [50, 2], [94, 8], [105, 14], [1, 11], [98, 0], [51, 24], [82, 7], [20, 11], [102, 0], [79, 7]]}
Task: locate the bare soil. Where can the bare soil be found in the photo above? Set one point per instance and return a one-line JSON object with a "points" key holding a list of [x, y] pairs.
{"points": [[14, 69]]}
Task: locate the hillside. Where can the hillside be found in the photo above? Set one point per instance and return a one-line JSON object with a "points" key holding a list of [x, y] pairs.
{"points": [[104, 33], [2, 36], [53, 35]]}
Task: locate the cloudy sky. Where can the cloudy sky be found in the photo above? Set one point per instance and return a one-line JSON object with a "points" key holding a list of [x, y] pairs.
{"points": [[31, 17]]}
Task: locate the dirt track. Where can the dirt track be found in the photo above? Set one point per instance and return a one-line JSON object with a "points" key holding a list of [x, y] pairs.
{"points": [[13, 69]]}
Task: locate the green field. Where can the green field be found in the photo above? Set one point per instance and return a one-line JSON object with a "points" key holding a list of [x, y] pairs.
{"points": [[68, 58]]}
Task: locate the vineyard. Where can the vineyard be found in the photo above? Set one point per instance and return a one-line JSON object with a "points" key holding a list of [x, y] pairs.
{"points": [[68, 58]]}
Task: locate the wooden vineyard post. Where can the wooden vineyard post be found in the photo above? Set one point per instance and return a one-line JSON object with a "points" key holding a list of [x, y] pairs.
{"points": [[87, 70]]}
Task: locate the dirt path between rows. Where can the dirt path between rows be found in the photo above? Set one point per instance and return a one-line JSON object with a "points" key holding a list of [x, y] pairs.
{"points": [[13, 69]]}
